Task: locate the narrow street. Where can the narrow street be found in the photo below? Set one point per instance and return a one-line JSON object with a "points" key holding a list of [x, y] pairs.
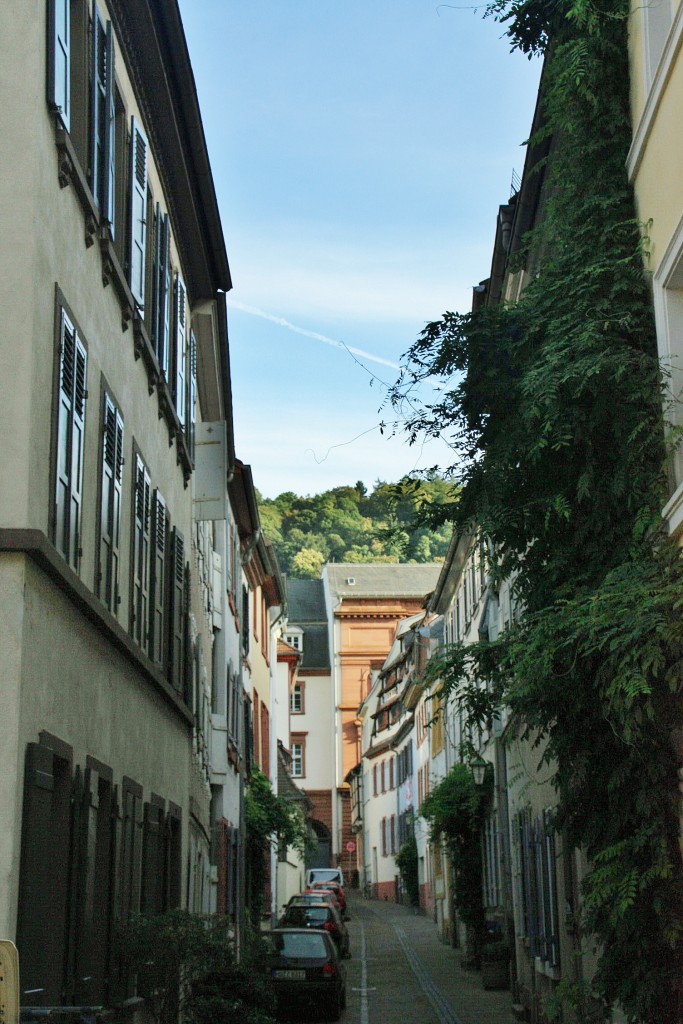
{"points": [[400, 973]]}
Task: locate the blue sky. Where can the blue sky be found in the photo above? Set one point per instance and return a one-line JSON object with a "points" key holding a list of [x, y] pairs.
{"points": [[359, 151]]}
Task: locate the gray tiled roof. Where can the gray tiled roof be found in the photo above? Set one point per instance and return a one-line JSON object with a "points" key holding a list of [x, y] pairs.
{"points": [[305, 601], [306, 608], [316, 652], [382, 580]]}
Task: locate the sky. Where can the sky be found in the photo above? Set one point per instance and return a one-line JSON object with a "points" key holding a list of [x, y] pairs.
{"points": [[360, 151]]}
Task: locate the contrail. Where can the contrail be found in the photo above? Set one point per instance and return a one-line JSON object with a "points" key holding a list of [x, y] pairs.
{"points": [[312, 334]]}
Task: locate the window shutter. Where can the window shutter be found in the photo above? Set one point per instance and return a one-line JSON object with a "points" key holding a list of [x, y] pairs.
{"points": [[77, 446], [164, 324], [179, 396], [138, 211], [177, 624], [158, 581], [141, 525], [137, 857], [98, 105], [109, 175], [155, 275], [110, 513], [192, 396], [67, 361], [59, 91], [151, 890]]}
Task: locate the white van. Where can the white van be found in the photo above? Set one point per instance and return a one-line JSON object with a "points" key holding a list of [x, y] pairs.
{"points": [[324, 875]]}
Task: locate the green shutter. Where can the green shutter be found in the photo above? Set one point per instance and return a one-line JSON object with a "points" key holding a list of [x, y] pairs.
{"points": [[138, 211]]}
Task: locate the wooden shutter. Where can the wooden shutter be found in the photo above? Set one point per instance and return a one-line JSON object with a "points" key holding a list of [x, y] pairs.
{"points": [[158, 580], [164, 314], [107, 208], [141, 527], [180, 375], [67, 362], [138, 211], [151, 891], [177, 624], [192, 396], [98, 106], [59, 64], [110, 511], [70, 439], [153, 321]]}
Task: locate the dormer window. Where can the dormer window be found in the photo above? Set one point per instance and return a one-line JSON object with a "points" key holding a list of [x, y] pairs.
{"points": [[295, 639]]}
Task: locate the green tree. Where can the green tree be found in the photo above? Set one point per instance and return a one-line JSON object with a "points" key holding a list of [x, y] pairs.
{"points": [[554, 408]]}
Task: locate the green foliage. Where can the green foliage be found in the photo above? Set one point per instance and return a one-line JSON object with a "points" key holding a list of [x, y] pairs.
{"points": [[185, 965], [407, 863], [554, 408], [455, 809], [347, 524], [270, 820]]}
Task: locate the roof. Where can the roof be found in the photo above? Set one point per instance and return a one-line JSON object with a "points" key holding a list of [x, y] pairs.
{"points": [[381, 579], [316, 648], [306, 608], [305, 601]]}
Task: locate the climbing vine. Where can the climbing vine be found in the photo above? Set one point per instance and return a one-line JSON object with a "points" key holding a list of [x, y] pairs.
{"points": [[455, 810], [554, 407]]}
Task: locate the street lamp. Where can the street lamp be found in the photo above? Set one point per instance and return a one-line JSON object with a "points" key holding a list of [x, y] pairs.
{"points": [[478, 766]]}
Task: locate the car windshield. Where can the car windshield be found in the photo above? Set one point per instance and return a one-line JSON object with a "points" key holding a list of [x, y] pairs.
{"points": [[301, 916], [323, 875], [299, 945]]}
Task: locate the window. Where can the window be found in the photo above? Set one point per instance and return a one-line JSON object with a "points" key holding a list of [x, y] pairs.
{"points": [[383, 836], [491, 862], [536, 876], [374, 780], [391, 773], [297, 752], [392, 833], [658, 19], [70, 440], [382, 776], [110, 506], [296, 700]]}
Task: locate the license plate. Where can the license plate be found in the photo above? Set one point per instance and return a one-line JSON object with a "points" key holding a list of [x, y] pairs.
{"points": [[290, 975]]}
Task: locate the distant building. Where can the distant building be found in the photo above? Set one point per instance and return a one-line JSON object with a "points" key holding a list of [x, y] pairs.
{"points": [[365, 603]]}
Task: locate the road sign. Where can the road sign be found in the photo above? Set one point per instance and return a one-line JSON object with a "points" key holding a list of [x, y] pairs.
{"points": [[350, 846]]}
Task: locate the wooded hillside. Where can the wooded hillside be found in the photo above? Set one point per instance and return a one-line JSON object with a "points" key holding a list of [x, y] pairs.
{"points": [[350, 524]]}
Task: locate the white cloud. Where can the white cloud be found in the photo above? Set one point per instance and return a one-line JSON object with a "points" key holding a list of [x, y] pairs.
{"points": [[252, 311]]}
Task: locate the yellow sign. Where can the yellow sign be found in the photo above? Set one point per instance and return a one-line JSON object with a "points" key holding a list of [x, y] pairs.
{"points": [[9, 983]]}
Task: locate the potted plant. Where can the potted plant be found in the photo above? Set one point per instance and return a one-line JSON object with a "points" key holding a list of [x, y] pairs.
{"points": [[495, 964]]}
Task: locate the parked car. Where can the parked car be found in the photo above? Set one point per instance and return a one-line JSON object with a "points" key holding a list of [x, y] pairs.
{"points": [[305, 967], [324, 875], [337, 889], [325, 894], [300, 914]]}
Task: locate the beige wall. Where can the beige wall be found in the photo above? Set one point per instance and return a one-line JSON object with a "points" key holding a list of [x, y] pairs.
{"points": [[654, 163], [60, 675]]}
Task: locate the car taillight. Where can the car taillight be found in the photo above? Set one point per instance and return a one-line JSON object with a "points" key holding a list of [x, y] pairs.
{"points": [[329, 969], [330, 926]]}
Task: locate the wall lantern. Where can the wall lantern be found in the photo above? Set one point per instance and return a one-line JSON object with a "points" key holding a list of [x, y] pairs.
{"points": [[478, 766]]}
